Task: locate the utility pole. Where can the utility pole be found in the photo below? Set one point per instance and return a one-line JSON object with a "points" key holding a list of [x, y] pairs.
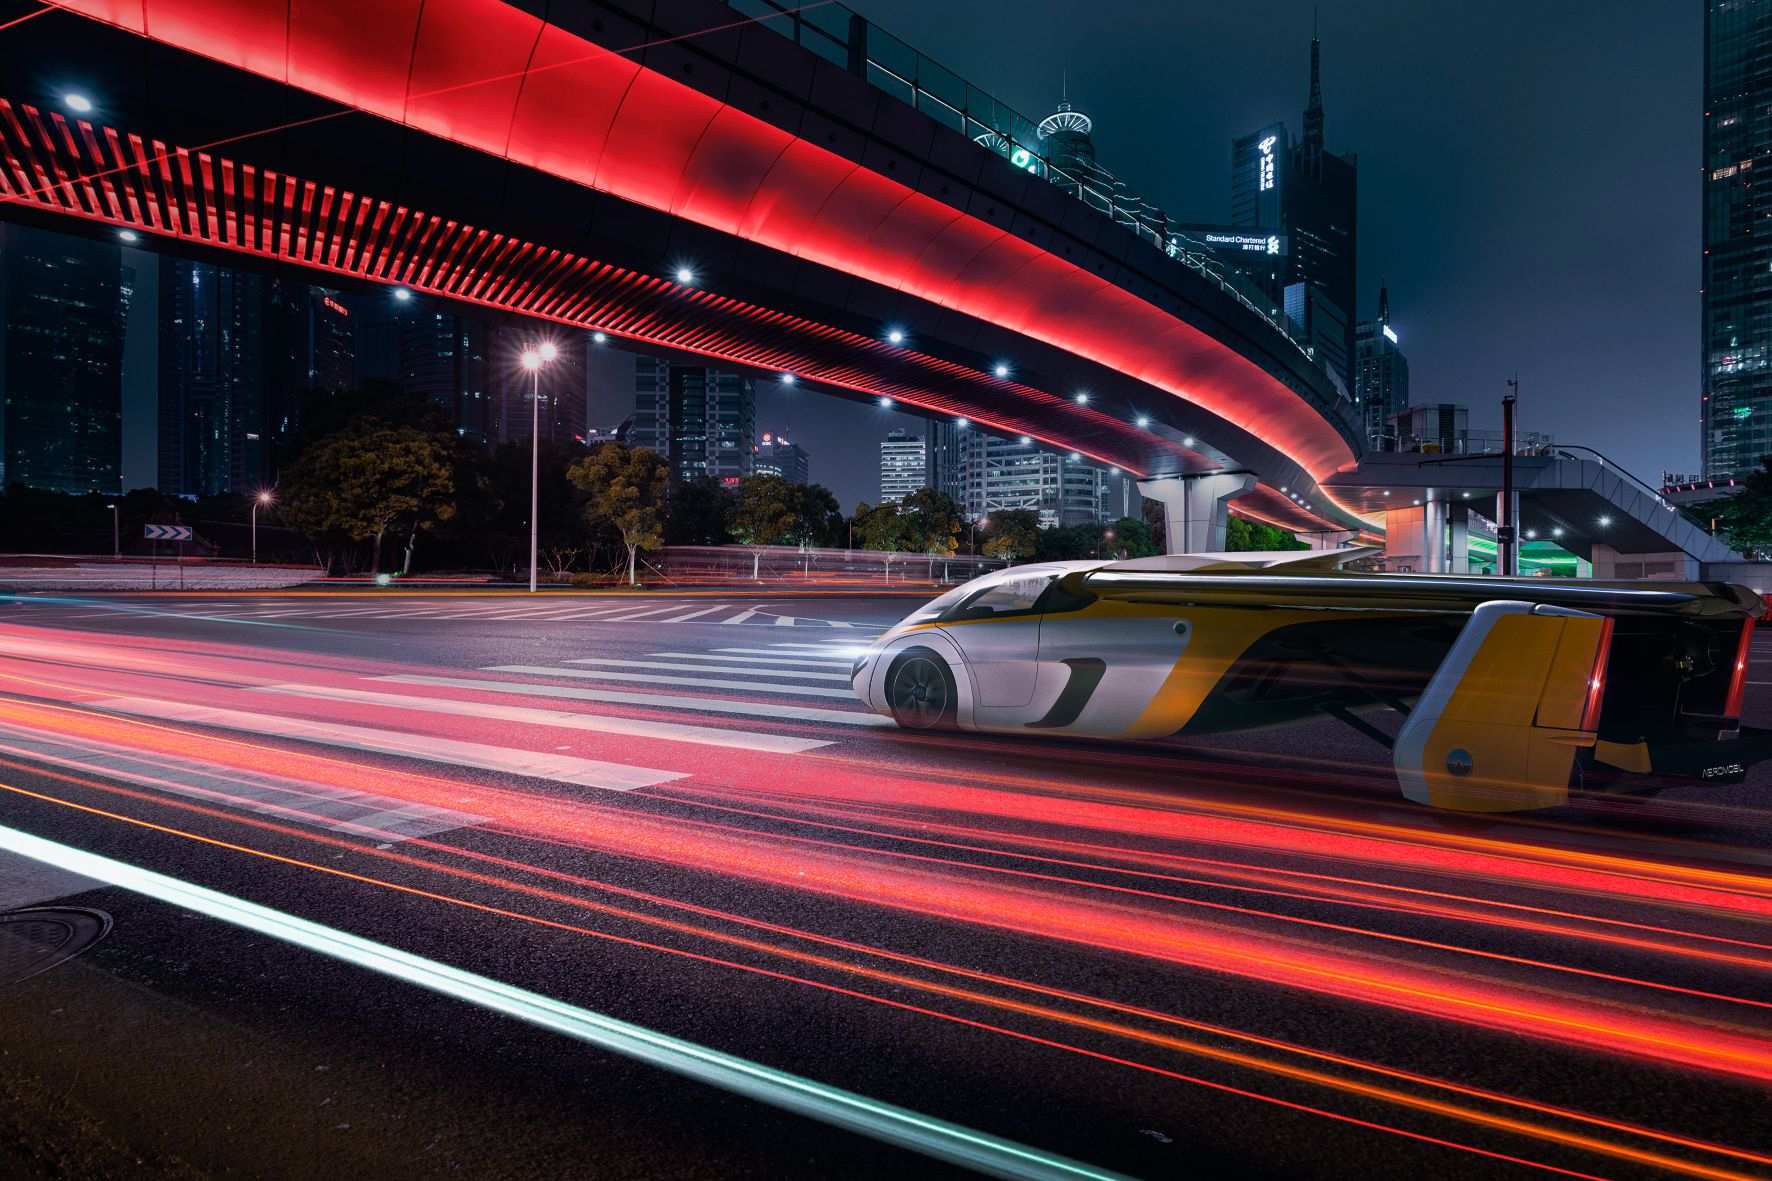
{"points": [[1507, 531]]}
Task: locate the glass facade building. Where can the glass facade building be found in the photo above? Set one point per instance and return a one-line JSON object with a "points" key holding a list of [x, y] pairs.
{"points": [[1015, 474], [702, 421], [64, 310], [1736, 406], [778, 457], [1381, 376]]}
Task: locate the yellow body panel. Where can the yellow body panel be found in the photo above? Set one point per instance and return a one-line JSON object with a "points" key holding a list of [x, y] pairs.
{"points": [[1507, 738]]}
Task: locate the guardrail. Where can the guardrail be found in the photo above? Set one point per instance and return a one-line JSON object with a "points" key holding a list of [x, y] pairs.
{"points": [[812, 566]]}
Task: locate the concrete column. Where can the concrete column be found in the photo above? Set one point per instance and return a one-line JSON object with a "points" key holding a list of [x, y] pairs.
{"points": [[1196, 508], [1458, 548], [1332, 539], [1405, 541], [1510, 512], [1434, 524]]}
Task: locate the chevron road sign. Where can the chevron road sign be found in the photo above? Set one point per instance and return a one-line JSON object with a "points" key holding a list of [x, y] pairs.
{"points": [[166, 532]]}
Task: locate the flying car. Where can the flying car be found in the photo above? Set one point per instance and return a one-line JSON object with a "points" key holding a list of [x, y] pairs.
{"points": [[1506, 693]]}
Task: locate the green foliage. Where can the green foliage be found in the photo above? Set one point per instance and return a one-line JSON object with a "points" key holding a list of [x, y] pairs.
{"points": [[624, 491], [1747, 516], [821, 520], [361, 481], [1134, 537], [1152, 513], [699, 512], [767, 512], [882, 527], [1242, 536], [933, 522], [1014, 534]]}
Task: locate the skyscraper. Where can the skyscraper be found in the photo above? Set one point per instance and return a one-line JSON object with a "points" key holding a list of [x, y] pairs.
{"points": [[903, 465], [64, 311], [702, 421], [444, 359], [1018, 474], [1381, 373], [233, 360], [1310, 195], [778, 457], [1736, 276], [941, 458]]}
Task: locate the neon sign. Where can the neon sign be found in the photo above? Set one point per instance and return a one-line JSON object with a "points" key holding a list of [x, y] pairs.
{"points": [[1267, 163]]}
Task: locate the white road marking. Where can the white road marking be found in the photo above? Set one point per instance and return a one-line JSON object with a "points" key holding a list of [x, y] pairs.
{"points": [[599, 723], [683, 667], [784, 621], [742, 616], [594, 674], [704, 611], [774, 657], [755, 709], [323, 805], [584, 772], [24, 882]]}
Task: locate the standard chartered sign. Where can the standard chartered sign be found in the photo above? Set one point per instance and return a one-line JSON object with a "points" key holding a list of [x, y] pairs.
{"points": [[1257, 243]]}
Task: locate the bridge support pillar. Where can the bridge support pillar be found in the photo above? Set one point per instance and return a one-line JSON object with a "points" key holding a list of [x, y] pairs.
{"points": [[1330, 539], [1671, 564], [1458, 542], [1197, 508]]}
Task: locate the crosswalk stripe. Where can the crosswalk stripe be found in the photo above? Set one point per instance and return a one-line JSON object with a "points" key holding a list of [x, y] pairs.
{"points": [[676, 666], [744, 615], [338, 808], [529, 715], [535, 764], [820, 646], [693, 614], [784, 621], [642, 613], [749, 662], [755, 709], [594, 674], [774, 657]]}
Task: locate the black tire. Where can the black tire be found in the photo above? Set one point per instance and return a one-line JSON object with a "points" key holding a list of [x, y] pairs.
{"points": [[920, 691]]}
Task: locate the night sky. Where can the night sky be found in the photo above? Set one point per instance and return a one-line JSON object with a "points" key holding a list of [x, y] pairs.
{"points": [[1528, 183]]}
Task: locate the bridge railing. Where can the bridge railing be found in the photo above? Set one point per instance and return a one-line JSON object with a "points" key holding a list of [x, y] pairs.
{"points": [[810, 566]]}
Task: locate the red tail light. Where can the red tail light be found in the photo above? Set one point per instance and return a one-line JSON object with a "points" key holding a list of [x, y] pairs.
{"points": [[1738, 678], [1596, 681]]}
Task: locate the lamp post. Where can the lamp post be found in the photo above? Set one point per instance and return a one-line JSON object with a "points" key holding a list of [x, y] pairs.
{"points": [[976, 522], [117, 534], [263, 499], [533, 360]]}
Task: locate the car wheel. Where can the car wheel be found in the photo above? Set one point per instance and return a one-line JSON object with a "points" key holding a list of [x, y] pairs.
{"points": [[920, 691]]}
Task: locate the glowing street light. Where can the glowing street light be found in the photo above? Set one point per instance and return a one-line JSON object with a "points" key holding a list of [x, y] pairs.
{"points": [[1002, 370], [962, 423], [77, 103], [262, 500], [885, 401], [1082, 399], [599, 338], [128, 235], [1188, 442], [534, 360], [1142, 421], [685, 276], [786, 379], [402, 294], [1605, 521], [896, 336], [1025, 440]]}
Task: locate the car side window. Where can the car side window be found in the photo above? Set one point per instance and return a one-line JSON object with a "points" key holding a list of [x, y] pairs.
{"points": [[1017, 596]]}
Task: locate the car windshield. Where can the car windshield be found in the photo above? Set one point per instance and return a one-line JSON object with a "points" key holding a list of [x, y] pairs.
{"points": [[1011, 597]]}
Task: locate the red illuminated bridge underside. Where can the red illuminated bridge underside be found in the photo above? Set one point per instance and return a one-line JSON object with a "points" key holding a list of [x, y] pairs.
{"points": [[77, 169], [487, 75]]}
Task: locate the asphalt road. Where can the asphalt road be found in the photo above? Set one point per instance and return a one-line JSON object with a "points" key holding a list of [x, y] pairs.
{"points": [[1242, 958]]}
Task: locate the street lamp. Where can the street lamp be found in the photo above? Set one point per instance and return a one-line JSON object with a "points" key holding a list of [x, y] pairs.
{"points": [[116, 534], [533, 360], [976, 522], [263, 499]]}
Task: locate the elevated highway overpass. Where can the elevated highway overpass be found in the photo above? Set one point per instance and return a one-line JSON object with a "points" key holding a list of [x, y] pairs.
{"points": [[685, 181]]}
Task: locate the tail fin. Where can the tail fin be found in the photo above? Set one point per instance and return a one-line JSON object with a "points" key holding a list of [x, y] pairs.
{"points": [[1499, 724]]}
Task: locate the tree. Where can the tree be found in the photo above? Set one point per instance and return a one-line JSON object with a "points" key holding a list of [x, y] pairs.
{"points": [[1134, 536], [882, 527], [699, 512], [1241, 536], [1152, 513], [327, 412], [360, 481], [624, 490], [767, 513], [821, 520], [1747, 516], [934, 522], [1014, 533]]}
